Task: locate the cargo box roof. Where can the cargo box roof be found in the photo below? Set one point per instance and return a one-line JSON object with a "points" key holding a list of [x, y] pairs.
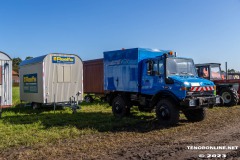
{"points": [[41, 59], [33, 60]]}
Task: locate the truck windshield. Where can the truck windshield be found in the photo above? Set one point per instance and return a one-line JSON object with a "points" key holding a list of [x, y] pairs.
{"points": [[215, 72], [180, 66]]}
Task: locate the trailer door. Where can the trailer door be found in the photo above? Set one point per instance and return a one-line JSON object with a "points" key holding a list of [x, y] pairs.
{"points": [[5, 83]]}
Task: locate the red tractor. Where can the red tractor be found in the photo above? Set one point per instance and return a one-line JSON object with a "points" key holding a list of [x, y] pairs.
{"points": [[228, 89]]}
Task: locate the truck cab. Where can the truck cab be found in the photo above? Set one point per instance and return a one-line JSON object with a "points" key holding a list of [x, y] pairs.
{"points": [[157, 80]]}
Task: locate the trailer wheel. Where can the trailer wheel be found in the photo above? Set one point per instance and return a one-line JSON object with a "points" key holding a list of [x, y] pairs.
{"points": [[74, 111], [120, 107], [167, 112], [88, 99], [195, 115], [229, 96], [36, 105]]}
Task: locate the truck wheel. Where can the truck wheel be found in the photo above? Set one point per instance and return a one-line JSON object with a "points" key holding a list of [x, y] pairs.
{"points": [[88, 99], [167, 112], [120, 107], [195, 115], [229, 96]]}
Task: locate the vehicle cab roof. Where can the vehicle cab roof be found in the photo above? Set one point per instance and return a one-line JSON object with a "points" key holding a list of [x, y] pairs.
{"points": [[208, 64]]}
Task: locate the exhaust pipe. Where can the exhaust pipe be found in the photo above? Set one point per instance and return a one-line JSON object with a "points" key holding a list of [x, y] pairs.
{"points": [[226, 70]]}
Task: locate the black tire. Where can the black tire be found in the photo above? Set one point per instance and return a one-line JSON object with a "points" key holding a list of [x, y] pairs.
{"points": [[88, 99], [167, 112], [229, 96], [36, 105], [195, 115], [74, 111], [119, 107]]}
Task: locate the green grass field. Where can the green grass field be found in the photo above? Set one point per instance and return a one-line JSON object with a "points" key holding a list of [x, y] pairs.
{"points": [[23, 126]]}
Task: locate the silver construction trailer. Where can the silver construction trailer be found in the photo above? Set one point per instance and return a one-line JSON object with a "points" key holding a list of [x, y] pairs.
{"points": [[5, 81], [52, 79]]}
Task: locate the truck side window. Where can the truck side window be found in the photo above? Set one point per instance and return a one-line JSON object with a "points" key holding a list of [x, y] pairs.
{"points": [[161, 67], [150, 64], [155, 68]]}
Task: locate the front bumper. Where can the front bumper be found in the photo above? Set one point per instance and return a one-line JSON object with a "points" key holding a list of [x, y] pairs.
{"points": [[199, 102]]}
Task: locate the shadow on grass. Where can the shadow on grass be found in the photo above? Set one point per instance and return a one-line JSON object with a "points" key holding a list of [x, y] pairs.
{"points": [[21, 108], [27, 109], [100, 121]]}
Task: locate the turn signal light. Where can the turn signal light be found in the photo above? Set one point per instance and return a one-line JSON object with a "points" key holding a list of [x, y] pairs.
{"points": [[184, 88]]}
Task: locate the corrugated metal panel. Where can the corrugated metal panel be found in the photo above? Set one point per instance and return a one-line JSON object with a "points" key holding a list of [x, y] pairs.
{"points": [[26, 93], [49, 88], [63, 91], [6, 80], [93, 76]]}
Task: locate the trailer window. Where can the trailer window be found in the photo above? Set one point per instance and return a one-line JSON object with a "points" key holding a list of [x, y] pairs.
{"points": [[63, 74]]}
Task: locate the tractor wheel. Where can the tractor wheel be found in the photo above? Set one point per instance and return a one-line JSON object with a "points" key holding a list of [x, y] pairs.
{"points": [[167, 112], [195, 115], [229, 96], [88, 99], [119, 107]]}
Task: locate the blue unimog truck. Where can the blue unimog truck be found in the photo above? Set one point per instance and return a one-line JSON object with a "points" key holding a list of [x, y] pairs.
{"points": [[156, 79]]}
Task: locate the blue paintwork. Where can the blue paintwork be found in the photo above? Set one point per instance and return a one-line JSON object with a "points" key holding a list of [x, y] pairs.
{"points": [[121, 68], [33, 60], [126, 70]]}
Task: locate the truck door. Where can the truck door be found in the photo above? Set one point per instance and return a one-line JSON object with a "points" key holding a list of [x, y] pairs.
{"points": [[152, 76]]}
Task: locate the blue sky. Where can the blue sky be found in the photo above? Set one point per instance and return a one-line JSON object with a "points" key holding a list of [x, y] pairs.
{"points": [[205, 30]]}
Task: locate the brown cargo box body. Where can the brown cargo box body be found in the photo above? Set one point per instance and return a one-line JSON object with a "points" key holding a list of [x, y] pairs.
{"points": [[93, 76]]}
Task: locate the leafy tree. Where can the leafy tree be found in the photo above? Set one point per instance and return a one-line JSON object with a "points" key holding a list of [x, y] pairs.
{"points": [[15, 63], [231, 71], [28, 57]]}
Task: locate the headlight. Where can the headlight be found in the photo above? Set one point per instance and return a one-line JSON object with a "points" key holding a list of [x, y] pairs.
{"points": [[218, 100], [192, 102]]}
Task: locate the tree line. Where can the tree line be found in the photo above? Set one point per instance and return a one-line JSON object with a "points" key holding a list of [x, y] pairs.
{"points": [[16, 61]]}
